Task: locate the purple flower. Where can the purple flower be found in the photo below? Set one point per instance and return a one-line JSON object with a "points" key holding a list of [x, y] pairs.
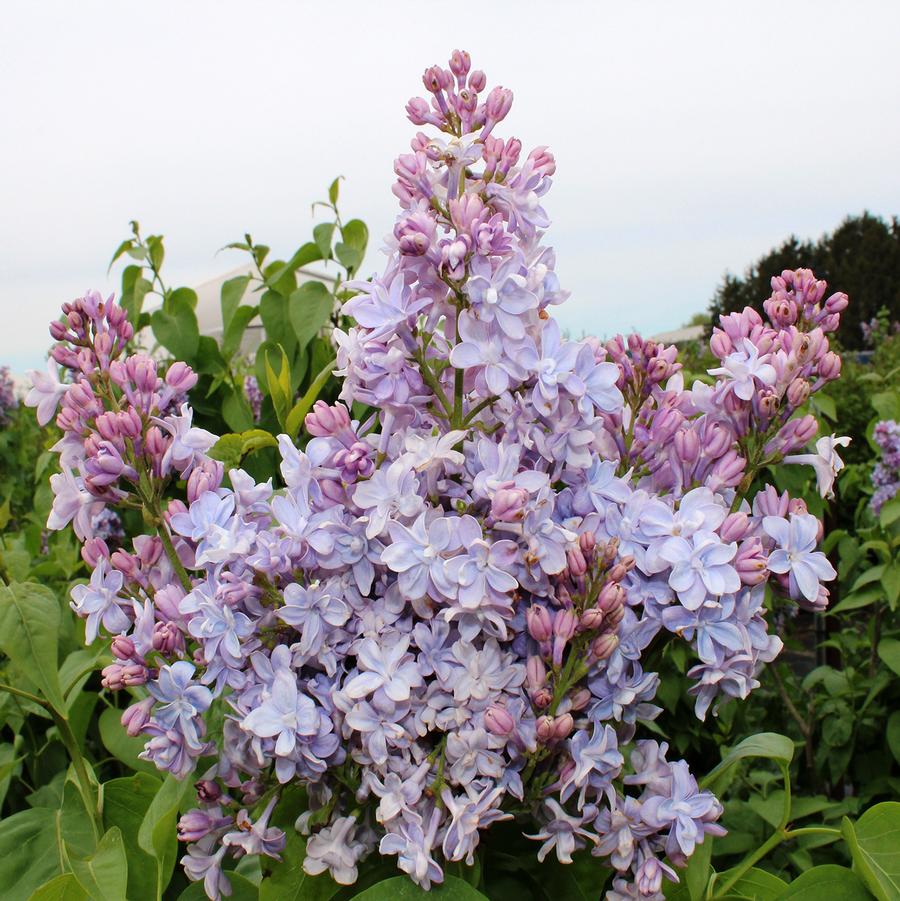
{"points": [[796, 555], [500, 295], [182, 701], [99, 602], [700, 567], [385, 666]]}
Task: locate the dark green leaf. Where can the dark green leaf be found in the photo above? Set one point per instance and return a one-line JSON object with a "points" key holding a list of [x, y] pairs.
{"points": [[236, 411], [103, 875], [125, 803], [233, 291], [156, 835], [829, 881], [893, 734], [290, 882], [234, 332], [310, 307], [322, 235], [756, 884], [120, 744], [29, 854], [401, 888], [769, 745], [889, 652], [29, 629], [874, 843], [890, 513], [64, 887], [176, 329]]}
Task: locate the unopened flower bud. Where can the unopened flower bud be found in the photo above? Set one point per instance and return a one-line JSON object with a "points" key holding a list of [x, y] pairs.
{"points": [[563, 726], [535, 673], [580, 699], [135, 717], [603, 646], [798, 392], [498, 721], [539, 623], [735, 527], [544, 728], [508, 504], [123, 647], [591, 619]]}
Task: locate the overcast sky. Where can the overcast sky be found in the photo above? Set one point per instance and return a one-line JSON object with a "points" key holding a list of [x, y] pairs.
{"points": [[690, 137]]}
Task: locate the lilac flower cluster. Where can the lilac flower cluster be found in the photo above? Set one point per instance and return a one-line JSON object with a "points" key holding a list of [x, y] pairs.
{"points": [[886, 472], [439, 621], [8, 399]]}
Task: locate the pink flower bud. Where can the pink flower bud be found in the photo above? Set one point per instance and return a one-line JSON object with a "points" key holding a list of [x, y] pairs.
{"points": [[180, 377], [498, 104], [135, 717], [544, 728], [587, 541], [750, 562], [735, 527], [123, 647], [508, 504], [541, 698], [460, 63], [563, 726], [477, 81], [580, 699], [539, 623], [687, 446], [542, 161], [591, 619], [720, 345], [604, 645], [208, 791], [830, 366], [499, 721], [535, 673], [564, 624], [125, 563], [113, 677], [611, 596], [576, 562], [93, 550], [798, 392]]}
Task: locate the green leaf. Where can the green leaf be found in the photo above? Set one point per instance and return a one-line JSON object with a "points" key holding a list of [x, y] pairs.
{"points": [[302, 407], [181, 296], [276, 320], [323, 235], [756, 884], [228, 450], [290, 882], [80, 664], [256, 439], [874, 844], [232, 292], [890, 513], [234, 333], [891, 582], [887, 404], [401, 888], [828, 881], [125, 803], [351, 249], [176, 329], [310, 308], [62, 888], [75, 829], [156, 835], [769, 745], [29, 630], [103, 875], [825, 405], [858, 599], [120, 744], [889, 652], [29, 855], [893, 734], [308, 253], [279, 386], [698, 871], [334, 189], [236, 411]]}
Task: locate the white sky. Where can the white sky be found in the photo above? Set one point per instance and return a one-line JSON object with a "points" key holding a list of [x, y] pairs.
{"points": [[690, 137]]}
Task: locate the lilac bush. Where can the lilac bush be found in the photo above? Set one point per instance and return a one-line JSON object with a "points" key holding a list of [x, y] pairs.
{"points": [[886, 472], [441, 618]]}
